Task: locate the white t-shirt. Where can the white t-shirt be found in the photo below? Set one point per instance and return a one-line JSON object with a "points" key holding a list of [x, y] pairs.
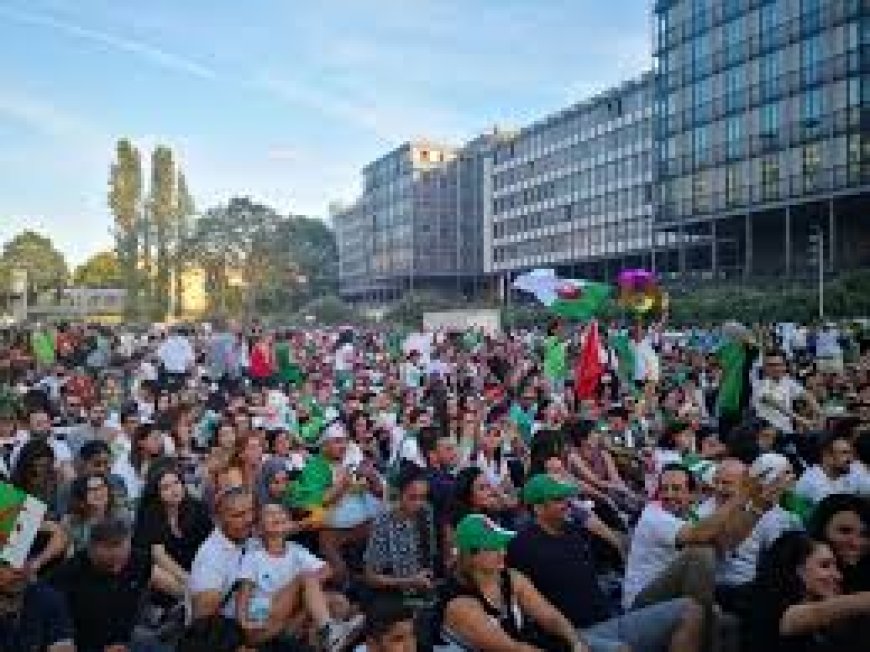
{"points": [[781, 393], [216, 567], [344, 357], [737, 566], [858, 480], [653, 547], [814, 484], [176, 354], [270, 574]]}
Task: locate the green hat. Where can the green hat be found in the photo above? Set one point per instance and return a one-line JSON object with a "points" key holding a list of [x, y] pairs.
{"points": [[479, 532], [542, 488]]}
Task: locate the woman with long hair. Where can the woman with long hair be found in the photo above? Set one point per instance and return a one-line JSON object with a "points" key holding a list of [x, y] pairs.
{"points": [[91, 500], [487, 607], [170, 522], [798, 603], [145, 449], [476, 494], [843, 522]]}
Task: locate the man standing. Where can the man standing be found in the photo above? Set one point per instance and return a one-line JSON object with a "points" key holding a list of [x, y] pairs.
{"points": [[555, 555], [176, 358]]}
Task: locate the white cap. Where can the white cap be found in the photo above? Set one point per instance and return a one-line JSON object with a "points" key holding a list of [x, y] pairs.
{"points": [[334, 430], [769, 466]]}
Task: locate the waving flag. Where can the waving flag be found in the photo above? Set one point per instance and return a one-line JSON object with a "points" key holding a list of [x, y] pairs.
{"points": [[588, 368], [567, 297]]}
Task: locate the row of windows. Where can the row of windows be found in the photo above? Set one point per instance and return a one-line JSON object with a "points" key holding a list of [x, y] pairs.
{"points": [[614, 114], [583, 186], [526, 223], [591, 243]]}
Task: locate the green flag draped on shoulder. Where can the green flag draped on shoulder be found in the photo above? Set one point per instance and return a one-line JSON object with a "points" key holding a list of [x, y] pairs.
{"points": [[732, 358]]}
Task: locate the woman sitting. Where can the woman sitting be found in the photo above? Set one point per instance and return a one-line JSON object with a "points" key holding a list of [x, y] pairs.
{"points": [[170, 522], [843, 522], [90, 501], [799, 604], [401, 549], [490, 608]]}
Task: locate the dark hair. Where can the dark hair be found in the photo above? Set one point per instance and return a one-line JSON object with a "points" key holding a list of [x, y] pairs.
{"points": [[211, 634], [578, 430], [826, 443], [464, 488], [151, 512], [862, 446], [90, 449], [78, 493], [409, 474], [21, 476], [777, 578], [110, 529], [143, 430], [682, 468], [832, 505], [384, 613], [546, 444]]}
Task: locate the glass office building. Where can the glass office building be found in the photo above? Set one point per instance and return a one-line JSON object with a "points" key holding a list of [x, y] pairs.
{"points": [[574, 190], [762, 136], [417, 225]]}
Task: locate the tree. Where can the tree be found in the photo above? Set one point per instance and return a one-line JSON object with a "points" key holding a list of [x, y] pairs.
{"points": [[125, 202], [46, 267], [162, 208], [182, 216], [102, 270]]}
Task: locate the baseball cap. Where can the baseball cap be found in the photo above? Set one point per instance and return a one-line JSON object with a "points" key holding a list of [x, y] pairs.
{"points": [[479, 532], [769, 466], [542, 488], [334, 430]]}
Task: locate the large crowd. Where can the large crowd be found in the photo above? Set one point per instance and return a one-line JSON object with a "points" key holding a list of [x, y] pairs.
{"points": [[224, 488]]}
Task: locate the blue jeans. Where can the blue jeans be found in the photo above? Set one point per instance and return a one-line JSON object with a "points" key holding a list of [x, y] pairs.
{"points": [[643, 630]]}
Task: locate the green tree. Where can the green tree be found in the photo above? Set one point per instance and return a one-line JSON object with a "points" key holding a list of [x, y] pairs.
{"points": [[125, 202], [162, 208], [102, 270], [46, 267], [182, 216]]}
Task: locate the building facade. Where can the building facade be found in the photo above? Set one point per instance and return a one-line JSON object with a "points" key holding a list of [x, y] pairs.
{"points": [[574, 190], [763, 136], [417, 225]]}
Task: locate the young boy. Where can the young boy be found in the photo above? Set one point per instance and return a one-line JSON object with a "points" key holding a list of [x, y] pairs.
{"points": [[389, 627], [280, 581]]}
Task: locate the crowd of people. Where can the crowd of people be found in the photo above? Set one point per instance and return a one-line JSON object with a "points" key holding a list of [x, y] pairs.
{"points": [[234, 488]]}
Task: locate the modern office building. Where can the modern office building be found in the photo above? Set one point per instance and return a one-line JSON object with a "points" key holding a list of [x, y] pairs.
{"points": [[763, 136], [417, 225], [574, 190]]}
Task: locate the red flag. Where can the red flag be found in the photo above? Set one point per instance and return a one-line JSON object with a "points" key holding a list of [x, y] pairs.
{"points": [[588, 368]]}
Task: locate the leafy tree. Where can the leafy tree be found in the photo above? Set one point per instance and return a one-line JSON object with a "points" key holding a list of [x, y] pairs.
{"points": [[162, 208], [102, 270], [125, 202], [182, 216], [46, 267]]}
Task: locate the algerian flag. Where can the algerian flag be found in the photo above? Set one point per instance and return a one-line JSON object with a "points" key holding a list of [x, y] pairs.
{"points": [[567, 297], [20, 517], [555, 363]]}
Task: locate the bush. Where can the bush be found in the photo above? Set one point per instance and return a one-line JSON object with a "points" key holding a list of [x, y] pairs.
{"points": [[329, 310]]}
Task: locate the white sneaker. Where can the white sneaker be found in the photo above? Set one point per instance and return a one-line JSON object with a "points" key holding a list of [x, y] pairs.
{"points": [[340, 633]]}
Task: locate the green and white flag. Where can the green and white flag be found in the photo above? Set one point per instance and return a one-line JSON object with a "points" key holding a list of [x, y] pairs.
{"points": [[20, 517], [567, 297]]}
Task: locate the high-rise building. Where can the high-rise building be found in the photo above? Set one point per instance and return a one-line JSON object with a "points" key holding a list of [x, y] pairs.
{"points": [[418, 223], [574, 190], [763, 136]]}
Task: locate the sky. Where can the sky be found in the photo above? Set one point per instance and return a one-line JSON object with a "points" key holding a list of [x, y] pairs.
{"points": [[280, 100]]}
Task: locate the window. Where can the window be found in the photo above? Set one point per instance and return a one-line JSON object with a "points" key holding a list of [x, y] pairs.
{"points": [[700, 144], [811, 59], [811, 108], [733, 81], [768, 19], [811, 162], [770, 176], [733, 136], [770, 119], [732, 185]]}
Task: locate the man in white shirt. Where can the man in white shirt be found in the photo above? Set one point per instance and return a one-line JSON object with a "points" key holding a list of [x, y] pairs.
{"points": [[218, 560], [859, 475], [829, 353], [774, 395], [735, 570], [672, 549], [176, 358], [832, 474]]}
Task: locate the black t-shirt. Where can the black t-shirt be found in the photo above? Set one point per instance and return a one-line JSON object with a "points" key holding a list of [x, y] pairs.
{"points": [[561, 568], [103, 607], [152, 527], [43, 621]]}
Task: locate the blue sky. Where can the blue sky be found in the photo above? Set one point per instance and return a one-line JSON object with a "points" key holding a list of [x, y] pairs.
{"points": [[282, 100]]}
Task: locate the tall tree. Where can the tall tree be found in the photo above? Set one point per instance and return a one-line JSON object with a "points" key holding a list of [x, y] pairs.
{"points": [[162, 209], [46, 267], [102, 270], [125, 202], [183, 215]]}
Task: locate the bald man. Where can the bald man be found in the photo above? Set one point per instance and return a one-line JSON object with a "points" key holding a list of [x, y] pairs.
{"points": [[736, 569]]}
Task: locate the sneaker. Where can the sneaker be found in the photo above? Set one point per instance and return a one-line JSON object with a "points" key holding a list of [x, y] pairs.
{"points": [[338, 634]]}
